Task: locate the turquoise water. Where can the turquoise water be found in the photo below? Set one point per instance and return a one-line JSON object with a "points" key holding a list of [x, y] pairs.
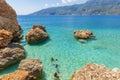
{"points": [[71, 54]]}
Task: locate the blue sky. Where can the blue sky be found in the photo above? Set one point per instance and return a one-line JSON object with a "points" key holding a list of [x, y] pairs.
{"points": [[29, 6]]}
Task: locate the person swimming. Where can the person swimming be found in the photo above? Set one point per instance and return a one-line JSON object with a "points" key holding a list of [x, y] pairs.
{"points": [[52, 59], [56, 66]]}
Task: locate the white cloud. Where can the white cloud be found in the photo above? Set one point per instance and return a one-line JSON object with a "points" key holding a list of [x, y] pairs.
{"points": [[46, 5], [68, 1]]}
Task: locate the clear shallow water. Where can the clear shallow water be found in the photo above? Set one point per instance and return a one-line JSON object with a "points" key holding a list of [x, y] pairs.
{"points": [[71, 54]]}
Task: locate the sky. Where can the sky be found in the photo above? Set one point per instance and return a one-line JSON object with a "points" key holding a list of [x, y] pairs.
{"points": [[23, 7]]}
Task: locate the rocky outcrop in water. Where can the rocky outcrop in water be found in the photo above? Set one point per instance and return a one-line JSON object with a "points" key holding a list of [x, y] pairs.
{"points": [[33, 66], [5, 38], [39, 26], [96, 72], [29, 69], [10, 30], [8, 20], [17, 75], [36, 34], [83, 34], [11, 54]]}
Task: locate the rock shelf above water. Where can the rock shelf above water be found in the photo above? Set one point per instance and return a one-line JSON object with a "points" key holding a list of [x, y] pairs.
{"points": [[83, 34], [11, 54], [36, 35], [29, 69], [33, 66], [96, 72]]}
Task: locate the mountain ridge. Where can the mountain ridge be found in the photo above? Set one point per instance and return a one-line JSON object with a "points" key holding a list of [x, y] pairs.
{"points": [[91, 7]]}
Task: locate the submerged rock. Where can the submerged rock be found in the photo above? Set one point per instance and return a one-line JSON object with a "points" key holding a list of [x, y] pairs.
{"points": [[83, 34], [33, 66], [36, 34], [8, 20], [5, 38], [96, 72], [11, 55], [17, 75]]}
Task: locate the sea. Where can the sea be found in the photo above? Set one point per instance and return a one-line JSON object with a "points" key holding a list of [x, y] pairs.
{"points": [[70, 54]]}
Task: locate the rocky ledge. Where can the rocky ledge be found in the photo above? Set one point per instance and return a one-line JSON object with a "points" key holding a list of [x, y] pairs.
{"points": [[83, 34], [11, 54], [33, 66], [8, 20], [29, 69], [17, 75], [5, 38], [36, 34], [96, 72]]}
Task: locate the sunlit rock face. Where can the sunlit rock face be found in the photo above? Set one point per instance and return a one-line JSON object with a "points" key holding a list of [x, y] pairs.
{"points": [[36, 35], [5, 38], [83, 34], [10, 55], [17, 75], [8, 20], [96, 72], [33, 66]]}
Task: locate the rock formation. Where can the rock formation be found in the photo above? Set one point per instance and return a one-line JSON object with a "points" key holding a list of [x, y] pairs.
{"points": [[29, 69], [33, 66], [8, 20], [5, 38], [10, 30], [39, 26], [83, 34], [17, 75], [11, 54], [36, 34], [96, 72]]}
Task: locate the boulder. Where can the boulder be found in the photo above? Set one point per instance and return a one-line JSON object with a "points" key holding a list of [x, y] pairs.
{"points": [[11, 54], [33, 66], [83, 34], [8, 20], [36, 35], [39, 26], [5, 38], [17, 75], [96, 72]]}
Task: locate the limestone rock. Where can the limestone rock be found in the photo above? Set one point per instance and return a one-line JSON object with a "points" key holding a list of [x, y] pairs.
{"points": [[36, 35], [96, 72], [17, 75], [8, 20], [5, 38], [83, 34], [39, 26], [11, 54], [33, 66]]}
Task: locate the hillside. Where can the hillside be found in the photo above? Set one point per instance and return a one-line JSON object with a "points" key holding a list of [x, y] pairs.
{"points": [[91, 7]]}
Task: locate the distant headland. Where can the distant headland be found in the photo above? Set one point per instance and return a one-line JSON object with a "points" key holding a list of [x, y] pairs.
{"points": [[91, 7]]}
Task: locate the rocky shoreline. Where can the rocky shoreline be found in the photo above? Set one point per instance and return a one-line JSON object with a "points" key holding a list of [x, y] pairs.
{"points": [[11, 51], [29, 69], [96, 72]]}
